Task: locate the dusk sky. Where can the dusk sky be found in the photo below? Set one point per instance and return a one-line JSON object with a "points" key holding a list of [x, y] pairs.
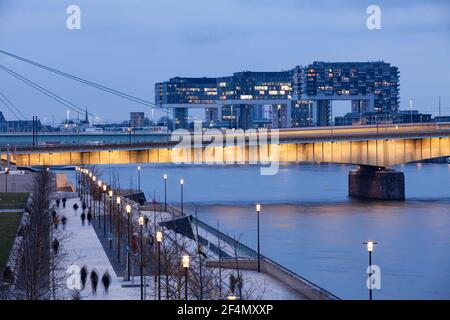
{"points": [[130, 45]]}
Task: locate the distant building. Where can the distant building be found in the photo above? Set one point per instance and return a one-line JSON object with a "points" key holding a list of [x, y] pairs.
{"points": [[298, 97], [18, 125], [401, 116], [137, 119]]}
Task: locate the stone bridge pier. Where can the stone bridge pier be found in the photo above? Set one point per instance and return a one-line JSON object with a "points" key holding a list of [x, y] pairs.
{"points": [[371, 182]]}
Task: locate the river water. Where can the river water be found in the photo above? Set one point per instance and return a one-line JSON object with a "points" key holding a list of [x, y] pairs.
{"points": [[309, 225]]}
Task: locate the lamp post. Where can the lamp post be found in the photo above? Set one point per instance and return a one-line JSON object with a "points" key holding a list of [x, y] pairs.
{"points": [[104, 209], [128, 210], [118, 227], [141, 225], [91, 191], [370, 245], [6, 178], [110, 193], [185, 264], [159, 238], [99, 192], [139, 178], [181, 185], [258, 210], [165, 192]]}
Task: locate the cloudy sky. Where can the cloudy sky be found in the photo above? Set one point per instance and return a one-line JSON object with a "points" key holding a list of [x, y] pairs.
{"points": [[129, 45]]}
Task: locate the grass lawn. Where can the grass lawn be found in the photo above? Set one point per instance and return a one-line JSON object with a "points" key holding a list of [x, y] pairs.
{"points": [[13, 200], [9, 222]]}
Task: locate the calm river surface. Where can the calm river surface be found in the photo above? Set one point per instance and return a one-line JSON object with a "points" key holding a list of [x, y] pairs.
{"points": [[309, 225]]}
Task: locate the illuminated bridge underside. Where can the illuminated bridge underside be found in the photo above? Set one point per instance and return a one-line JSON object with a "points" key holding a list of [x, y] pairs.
{"points": [[381, 153]]}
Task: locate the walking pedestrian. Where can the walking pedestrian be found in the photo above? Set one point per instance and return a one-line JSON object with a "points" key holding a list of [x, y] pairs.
{"points": [[94, 281], [75, 208], [83, 276], [146, 222], [83, 218], [89, 217], [55, 221], [64, 221], [57, 203], [55, 246], [64, 202], [106, 280], [83, 206]]}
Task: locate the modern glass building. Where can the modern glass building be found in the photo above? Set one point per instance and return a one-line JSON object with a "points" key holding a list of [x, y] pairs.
{"points": [[298, 97]]}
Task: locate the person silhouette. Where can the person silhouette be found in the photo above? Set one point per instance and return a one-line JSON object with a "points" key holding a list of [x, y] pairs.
{"points": [[106, 280], [94, 282]]}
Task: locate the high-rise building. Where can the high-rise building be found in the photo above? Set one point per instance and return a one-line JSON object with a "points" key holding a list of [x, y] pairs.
{"points": [[299, 97]]}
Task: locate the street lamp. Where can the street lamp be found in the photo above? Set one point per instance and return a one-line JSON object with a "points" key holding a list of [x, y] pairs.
{"points": [[6, 178], [99, 192], [181, 185], [104, 209], [159, 238], [92, 190], [370, 245], [110, 194], [141, 225], [128, 210], [139, 178], [119, 220], [258, 210], [165, 192], [185, 264]]}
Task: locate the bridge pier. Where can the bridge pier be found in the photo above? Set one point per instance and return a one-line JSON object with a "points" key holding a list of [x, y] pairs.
{"points": [[379, 183]]}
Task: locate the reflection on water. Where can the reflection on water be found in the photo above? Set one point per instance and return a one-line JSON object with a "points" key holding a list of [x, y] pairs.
{"points": [[310, 225]]}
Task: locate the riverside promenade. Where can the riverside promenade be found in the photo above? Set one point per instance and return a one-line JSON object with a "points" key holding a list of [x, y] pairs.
{"points": [[85, 246]]}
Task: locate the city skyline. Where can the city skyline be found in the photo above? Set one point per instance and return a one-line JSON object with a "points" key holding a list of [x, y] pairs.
{"points": [[151, 42]]}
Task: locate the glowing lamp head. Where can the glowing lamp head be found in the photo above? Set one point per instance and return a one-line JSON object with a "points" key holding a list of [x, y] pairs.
{"points": [[141, 220], [159, 236], [94, 178], [165, 176], [139, 168], [258, 207], [6, 170], [370, 245], [128, 208], [104, 188], [181, 181], [99, 183], [110, 193], [118, 200], [185, 261], [231, 297]]}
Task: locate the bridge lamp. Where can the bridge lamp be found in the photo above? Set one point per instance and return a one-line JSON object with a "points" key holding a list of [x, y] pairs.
{"points": [[118, 199], [104, 187], [258, 210], [128, 208], [93, 178], [110, 193], [185, 265], [370, 246], [99, 183], [231, 297]]}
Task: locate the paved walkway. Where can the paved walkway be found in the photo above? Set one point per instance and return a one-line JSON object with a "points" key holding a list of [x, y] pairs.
{"points": [[84, 248]]}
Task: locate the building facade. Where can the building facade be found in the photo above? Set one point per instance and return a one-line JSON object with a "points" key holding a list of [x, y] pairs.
{"points": [[298, 97]]}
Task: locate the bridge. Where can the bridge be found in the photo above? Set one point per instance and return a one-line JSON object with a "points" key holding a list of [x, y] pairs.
{"points": [[375, 148]]}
